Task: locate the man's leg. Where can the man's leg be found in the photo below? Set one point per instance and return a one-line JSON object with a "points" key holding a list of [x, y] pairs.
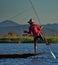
{"points": [[47, 43], [41, 37], [35, 44]]}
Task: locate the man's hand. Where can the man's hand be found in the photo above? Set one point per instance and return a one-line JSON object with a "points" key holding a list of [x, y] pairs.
{"points": [[41, 26], [25, 31]]}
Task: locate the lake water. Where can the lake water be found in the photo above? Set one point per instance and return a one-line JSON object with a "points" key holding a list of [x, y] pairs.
{"points": [[45, 59]]}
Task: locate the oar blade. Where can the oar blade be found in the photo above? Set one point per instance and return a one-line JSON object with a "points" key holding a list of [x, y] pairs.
{"points": [[52, 53]]}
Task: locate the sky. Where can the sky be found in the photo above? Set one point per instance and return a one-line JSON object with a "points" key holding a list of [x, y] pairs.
{"points": [[21, 11]]}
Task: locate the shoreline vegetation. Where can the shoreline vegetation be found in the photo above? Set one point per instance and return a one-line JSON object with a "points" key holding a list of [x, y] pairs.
{"points": [[13, 37], [29, 39], [25, 39]]}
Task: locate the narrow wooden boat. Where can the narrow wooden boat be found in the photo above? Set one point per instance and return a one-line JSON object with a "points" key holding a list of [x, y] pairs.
{"points": [[23, 55]]}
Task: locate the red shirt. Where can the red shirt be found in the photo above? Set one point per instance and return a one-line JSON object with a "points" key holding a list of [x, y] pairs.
{"points": [[35, 29]]}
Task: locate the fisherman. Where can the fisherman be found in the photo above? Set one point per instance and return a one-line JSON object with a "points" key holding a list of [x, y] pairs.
{"points": [[36, 31]]}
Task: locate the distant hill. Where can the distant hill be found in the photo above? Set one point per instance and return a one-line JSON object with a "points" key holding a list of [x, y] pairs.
{"points": [[8, 23], [11, 26], [51, 29]]}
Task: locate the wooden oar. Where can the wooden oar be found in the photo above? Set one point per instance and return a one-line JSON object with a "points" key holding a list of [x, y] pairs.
{"points": [[53, 55]]}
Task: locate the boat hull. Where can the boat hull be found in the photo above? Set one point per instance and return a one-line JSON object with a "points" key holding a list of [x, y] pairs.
{"points": [[23, 55]]}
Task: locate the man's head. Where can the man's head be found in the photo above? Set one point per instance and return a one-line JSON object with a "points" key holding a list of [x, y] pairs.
{"points": [[31, 21]]}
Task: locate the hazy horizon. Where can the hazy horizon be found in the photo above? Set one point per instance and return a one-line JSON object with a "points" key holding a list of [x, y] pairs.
{"points": [[9, 21], [21, 11]]}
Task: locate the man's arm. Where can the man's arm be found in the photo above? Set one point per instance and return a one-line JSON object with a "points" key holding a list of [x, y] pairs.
{"points": [[26, 32], [40, 27], [29, 32]]}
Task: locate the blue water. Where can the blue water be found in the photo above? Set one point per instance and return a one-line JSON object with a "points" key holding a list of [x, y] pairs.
{"points": [[45, 59]]}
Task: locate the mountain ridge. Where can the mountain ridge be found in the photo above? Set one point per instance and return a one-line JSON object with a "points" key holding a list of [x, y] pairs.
{"points": [[10, 26]]}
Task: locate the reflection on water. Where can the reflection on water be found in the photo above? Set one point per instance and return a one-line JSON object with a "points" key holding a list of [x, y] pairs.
{"points": [[45, 59]]}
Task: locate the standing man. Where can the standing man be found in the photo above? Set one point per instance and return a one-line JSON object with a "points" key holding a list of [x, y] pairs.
{"points": [[36, 31]]}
